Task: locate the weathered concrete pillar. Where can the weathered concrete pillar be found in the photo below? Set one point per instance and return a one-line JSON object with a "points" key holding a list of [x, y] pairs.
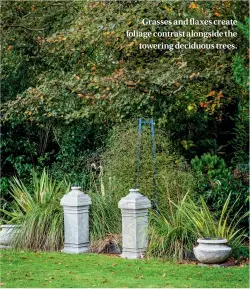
{"points": [[134, 209], [76, 221]]}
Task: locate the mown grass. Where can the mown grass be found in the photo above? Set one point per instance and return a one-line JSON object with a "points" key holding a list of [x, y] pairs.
{"points": [[58, 270]]}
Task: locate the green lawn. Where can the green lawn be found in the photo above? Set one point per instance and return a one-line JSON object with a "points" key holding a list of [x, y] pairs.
{"points": [[29, 269]]}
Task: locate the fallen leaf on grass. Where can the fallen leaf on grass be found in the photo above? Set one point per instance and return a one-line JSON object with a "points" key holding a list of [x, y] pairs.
{"points": [[114, 264], [164, 275]]}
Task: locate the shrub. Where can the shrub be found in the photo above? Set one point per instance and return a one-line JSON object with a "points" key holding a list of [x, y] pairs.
{"points": [[4, 195], [78, 141], [216, 182], [242, 252], [120, 165]]}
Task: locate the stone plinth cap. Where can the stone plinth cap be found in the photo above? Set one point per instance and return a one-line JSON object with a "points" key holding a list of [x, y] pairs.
{"points": [[134, 200], [75, 198]]}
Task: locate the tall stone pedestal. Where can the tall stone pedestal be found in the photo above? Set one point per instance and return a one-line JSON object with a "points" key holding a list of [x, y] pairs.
{"points": [[76, 221], [134, 208]]}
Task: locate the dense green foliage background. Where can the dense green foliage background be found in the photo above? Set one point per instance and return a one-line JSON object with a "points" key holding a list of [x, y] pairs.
{"points": [[70, 77]]}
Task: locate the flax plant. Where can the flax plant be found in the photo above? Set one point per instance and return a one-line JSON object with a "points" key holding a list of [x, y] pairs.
{"points": [[38, 212], [174, 233], [207, 226]]}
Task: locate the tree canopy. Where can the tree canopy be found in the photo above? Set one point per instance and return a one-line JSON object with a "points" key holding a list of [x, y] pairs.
{"points": [[68, 66]]}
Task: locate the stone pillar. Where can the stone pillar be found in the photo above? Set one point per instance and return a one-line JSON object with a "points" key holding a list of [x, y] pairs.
{"points": [[76, 221], [134, 209]]}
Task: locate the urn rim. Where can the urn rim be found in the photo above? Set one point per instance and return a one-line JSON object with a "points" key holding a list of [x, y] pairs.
{"points": [[76, 188], [212, 241]]}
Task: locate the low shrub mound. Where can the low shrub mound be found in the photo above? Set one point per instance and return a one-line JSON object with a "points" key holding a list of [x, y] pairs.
{"points": [[120, 160]]}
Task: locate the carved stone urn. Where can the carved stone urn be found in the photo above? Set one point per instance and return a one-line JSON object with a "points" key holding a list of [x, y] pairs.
{"points": [[212, 250]]}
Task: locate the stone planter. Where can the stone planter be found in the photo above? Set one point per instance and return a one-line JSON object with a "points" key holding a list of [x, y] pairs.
{"points": [[212, 251], [7, 233]]}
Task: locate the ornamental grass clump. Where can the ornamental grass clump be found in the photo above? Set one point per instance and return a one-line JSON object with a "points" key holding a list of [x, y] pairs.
{"points": [[105, 216], [38, 212], [225, 226], [174, 233], [171, 233]]}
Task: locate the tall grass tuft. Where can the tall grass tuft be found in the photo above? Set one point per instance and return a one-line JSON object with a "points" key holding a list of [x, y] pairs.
{"points": [[39, 213], [171, 233], [105, 216]]}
